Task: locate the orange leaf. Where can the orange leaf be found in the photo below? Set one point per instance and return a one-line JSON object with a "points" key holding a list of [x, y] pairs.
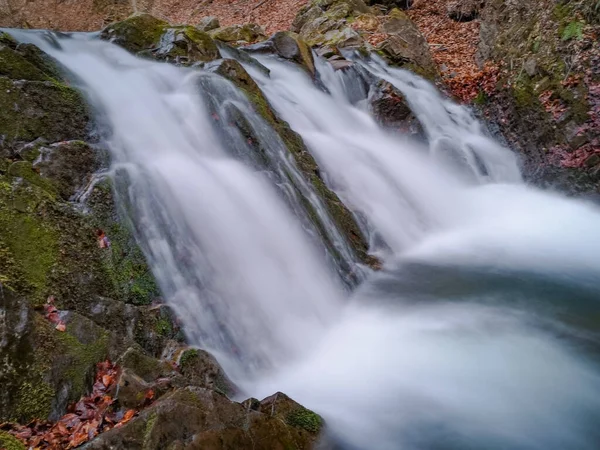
{"points": [[107, 380]]}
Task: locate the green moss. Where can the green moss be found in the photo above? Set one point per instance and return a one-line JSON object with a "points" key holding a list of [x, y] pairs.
{"points": [[9, 442], [306, 419], [82, 357], [15, 66], [24, 169], [31, 241], [164, 326], [47, 109], [187, 356], [34, 400], [149, 427], [481, 98], [137, 33]]}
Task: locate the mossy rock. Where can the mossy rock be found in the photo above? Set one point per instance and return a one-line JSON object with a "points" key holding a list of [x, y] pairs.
{"points": [[203, 418], [9, 442], [239, 33], [45, 369], [40, 109], [202, 369], [138, 32], [186, 45], [287, 45]]}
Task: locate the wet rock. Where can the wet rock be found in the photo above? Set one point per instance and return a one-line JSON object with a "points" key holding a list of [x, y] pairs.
{"points": [[44, 369], [239, 33], [40, 109], [288, 45], [208, 24], [186, 46], [69, 165], [201, 369], [464, 10], [194, 418], [390, 109], [137, 33], [339, 63]]}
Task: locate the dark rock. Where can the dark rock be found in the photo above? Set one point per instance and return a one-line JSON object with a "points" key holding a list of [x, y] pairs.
{"points": [[70, 165], [196, 418], [390, 109], [208, 24], [464, 10], [389, 4], [288, 45], [201, 369]]}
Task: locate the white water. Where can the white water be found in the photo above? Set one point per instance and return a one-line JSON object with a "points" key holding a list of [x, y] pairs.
{"points": [[386, 373]]}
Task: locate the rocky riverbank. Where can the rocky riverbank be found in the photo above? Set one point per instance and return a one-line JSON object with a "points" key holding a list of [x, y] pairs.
{"points": [[534, 75]]}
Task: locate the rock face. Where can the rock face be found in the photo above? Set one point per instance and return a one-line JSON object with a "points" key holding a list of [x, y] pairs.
{"points": [[49, 248], [327, 22], [197, 418], [546, 103]]}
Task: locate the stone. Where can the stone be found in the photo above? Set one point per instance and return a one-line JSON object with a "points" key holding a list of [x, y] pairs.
{"points": [[70, 165], [239, 33], [137, 33], [389, 4], [201, 369], [367, 22], [287, 45], [405, 45], [196, 418], [391, 110], [208, 24], [530, 66], [340, 64], [464, 10], [185, 45]]}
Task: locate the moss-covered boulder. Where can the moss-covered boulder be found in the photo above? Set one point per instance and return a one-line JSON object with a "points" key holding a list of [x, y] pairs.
{"points": [[137, 33], [148, 36], [328, 22], [287, 45], [202, 369], [247, 33], [44, 369], [193, 418], [34, 109]]}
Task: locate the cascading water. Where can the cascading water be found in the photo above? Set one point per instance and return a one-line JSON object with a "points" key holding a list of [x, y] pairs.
{"points": [[472, 337]]}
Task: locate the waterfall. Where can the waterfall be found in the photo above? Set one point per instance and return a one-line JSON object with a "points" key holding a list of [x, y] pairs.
{"points": [[481, 332]]}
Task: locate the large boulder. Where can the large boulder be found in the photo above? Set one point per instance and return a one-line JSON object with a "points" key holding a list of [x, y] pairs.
{"points": [[328, 22], [405, 45], [197, 418], [148, 36], [208, 23], [390, 108], [464, 10], [287, 45], [239, 34]]}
